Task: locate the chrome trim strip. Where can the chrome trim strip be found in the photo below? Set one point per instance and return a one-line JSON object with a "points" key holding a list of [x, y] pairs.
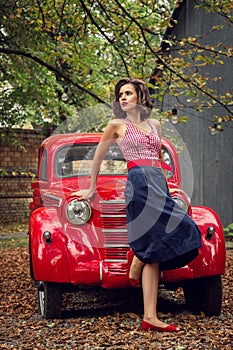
{"points": [[112, 216], [116, 245], [54, 198], [118, 201], [114, 230], [115, 260], [101, 271]]}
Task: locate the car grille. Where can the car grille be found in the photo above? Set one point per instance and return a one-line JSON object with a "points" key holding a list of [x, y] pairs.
{"points": [[114, 228]]}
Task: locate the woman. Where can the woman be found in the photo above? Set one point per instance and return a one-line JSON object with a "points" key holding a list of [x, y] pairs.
{"points": [[161, 235]]}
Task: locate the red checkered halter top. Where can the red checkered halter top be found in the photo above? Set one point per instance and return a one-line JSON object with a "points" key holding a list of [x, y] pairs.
{"points": [[136, 144]]}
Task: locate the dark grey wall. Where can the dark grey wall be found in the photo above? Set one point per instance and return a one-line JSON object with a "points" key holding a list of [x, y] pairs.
{"points": [[212, 156]]}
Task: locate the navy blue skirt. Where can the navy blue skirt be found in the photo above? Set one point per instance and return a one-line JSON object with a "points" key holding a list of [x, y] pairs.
{"points": [[159, 231]]}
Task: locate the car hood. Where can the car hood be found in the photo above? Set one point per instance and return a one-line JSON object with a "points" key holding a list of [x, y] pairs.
{"points": [[106, 187]]}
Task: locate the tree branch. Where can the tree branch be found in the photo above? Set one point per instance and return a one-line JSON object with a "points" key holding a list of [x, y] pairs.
{"points": [[161, 60], [111, 41], [42, 13], [9, 51]]}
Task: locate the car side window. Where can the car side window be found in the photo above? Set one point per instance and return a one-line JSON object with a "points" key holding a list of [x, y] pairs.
{"points": [[169, 161], [43, 170]]}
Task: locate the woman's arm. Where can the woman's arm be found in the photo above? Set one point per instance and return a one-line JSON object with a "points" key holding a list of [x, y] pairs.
{"points": [[109, 136]]}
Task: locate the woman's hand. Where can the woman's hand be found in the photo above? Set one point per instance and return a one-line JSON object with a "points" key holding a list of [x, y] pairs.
{"points": [[84, 194]]}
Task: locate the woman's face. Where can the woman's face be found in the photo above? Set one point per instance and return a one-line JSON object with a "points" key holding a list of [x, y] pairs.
{"points": [[128, 97]]}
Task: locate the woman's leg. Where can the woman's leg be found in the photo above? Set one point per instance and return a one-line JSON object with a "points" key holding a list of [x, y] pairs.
{"points": [[136, 266], [150, 282]]}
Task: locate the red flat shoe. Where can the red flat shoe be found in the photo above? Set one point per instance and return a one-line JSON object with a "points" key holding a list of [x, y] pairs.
{"points": [[133, 282], [169, 328]]}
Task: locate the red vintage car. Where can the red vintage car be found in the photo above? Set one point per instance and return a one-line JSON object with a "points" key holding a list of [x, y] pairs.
{"points": [[76, 243]]}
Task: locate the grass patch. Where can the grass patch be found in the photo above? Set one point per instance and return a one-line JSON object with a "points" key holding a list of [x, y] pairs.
{"points": [[13, 227], [16, 242]]}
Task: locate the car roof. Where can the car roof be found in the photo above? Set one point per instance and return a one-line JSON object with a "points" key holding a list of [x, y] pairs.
{"points": [[58, 140]]}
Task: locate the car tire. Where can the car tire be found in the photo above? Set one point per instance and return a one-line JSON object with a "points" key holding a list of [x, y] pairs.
{"points": [[204, 294], [50, 300]]}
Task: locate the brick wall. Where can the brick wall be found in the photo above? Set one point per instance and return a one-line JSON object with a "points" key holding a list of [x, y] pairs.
{"points": [[15, 196], [15, 190], [14, 158]]}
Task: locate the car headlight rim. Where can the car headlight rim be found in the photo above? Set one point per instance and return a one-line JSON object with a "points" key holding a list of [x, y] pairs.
{"points": [[78, 212]]}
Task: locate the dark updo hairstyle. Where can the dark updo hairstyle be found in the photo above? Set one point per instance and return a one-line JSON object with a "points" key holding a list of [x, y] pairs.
{"points": [[144, 101]]}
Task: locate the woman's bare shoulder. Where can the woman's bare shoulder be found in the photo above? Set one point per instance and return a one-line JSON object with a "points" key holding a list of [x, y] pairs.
{"points": [[155, 122], [114, 129], [117, 121]]}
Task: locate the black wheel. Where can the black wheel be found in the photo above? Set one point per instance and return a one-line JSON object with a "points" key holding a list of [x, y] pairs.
{"points": [[50, 300], [204, 294]]}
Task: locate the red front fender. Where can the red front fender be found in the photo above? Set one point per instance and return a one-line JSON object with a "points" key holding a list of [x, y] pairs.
{"points": [[212, 256], [49, 259]]}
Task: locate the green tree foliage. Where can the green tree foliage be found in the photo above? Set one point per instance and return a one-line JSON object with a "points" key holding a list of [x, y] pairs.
{"points": [[58, 57]]}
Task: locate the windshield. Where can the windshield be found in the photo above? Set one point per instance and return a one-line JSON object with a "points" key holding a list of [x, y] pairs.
{"points": [[76, 160]]}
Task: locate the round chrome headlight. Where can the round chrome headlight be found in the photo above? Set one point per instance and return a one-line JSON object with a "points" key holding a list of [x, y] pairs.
{"points": [[78, 212], [181, 202]]}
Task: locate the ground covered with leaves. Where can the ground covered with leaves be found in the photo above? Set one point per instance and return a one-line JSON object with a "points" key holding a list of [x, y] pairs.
{"points": [[98, 319]]}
